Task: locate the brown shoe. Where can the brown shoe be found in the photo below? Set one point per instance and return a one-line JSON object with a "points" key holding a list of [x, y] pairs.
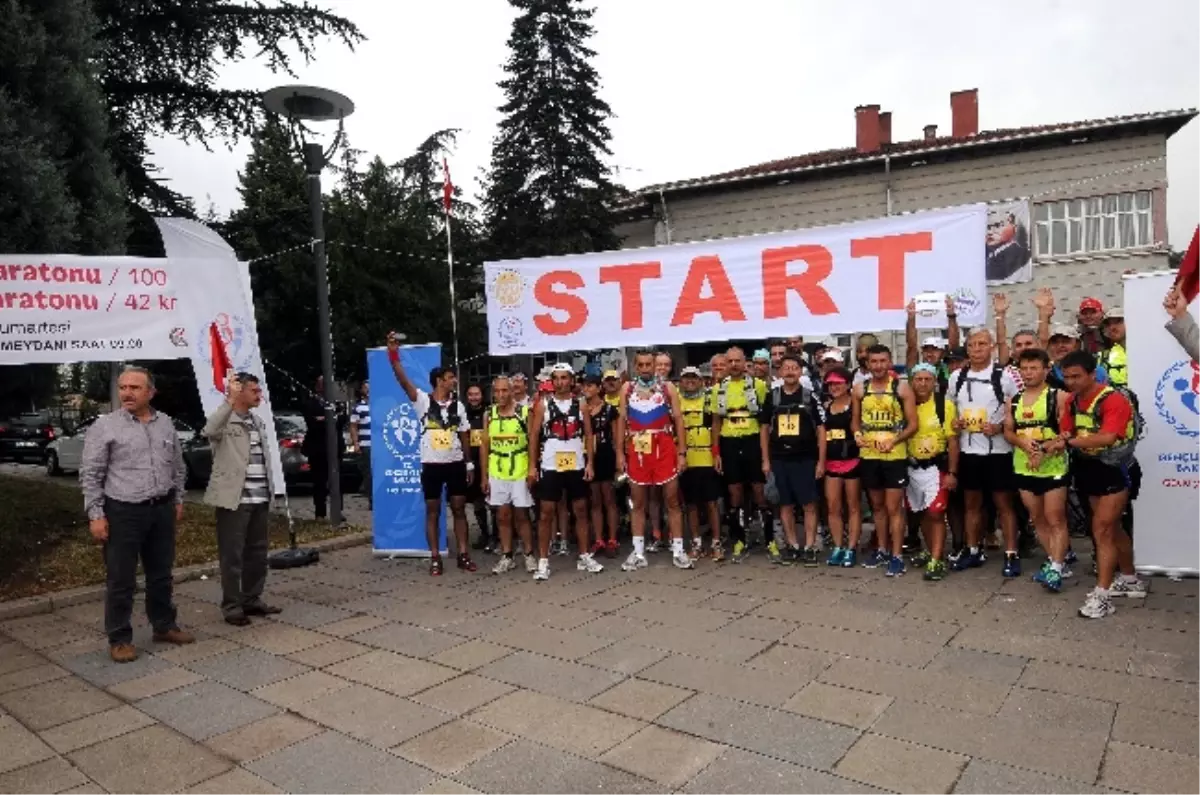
{"points": [[237, 621], [122, 652], [263, 609], [174, 635]]}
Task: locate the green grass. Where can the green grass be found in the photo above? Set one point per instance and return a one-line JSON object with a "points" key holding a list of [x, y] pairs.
{"points": [[45, 545]]}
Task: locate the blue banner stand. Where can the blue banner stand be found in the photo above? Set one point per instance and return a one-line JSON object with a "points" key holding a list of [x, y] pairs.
{"points": [[398, 519]]}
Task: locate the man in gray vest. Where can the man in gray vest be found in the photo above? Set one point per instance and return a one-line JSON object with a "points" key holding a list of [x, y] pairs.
{"points": [[240, 488]]}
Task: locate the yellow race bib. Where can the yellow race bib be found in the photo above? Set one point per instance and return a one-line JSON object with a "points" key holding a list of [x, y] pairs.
{"points": [[874, 438], [643, 443], [789, 424], [441, 440], [1030, 433], [476, 438], [835, 435], [975, 419], [738, 418], [564, 462]]}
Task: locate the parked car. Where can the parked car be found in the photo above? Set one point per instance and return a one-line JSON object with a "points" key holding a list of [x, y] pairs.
{"points": [[65, 452], [24, 438]]}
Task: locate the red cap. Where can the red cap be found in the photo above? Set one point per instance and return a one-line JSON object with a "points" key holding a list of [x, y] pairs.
{"points": [[1091, 303]]}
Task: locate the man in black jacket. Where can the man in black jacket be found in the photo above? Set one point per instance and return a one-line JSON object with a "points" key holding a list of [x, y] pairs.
{"points": [[315, 449]]}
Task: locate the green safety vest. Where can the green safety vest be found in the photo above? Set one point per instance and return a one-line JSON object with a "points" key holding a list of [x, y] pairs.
{"points": [[508, 444], [1114, 361], [1038, 421]]}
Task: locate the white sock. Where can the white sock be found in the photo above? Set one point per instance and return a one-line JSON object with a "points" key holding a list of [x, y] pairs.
{"points": [[1057, 566], [544, 562], [1101, 591], [677, 546], [1129, 578], [974, 550], [1011, 552], [639, 545]]}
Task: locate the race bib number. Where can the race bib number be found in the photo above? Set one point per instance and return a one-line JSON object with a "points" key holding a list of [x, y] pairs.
{"points": [[476, 438], [926, 447], [739, 419], [1034, 434], [564, 462], [975, 419], [643, 443], [876, 438], [835, 435], [441, 440], [789, 424]]}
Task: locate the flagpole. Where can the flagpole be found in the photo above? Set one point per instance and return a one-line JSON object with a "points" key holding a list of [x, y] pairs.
{"points": [[453, 301]]}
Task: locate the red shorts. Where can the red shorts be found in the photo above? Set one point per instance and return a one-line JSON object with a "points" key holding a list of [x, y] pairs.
{"points": [[659, 466]]}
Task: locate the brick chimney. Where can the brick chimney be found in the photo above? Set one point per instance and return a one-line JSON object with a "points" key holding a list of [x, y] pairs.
{"points": [[866, 119], [930, 132], [885, 128], [964, 113]]}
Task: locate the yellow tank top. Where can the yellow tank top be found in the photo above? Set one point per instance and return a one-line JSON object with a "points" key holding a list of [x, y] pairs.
{"points": [[882, 417], [697, 423], [613, 400], [738, 419], [932, 436]]}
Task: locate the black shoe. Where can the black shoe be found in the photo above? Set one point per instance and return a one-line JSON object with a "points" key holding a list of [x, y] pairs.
{"points": [[237, 621], [810, 557], [263, 609]]}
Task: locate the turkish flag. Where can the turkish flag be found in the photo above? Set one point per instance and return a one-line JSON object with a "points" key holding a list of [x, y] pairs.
{"points": [[220, 358], [1188, 279], [447, 186]]}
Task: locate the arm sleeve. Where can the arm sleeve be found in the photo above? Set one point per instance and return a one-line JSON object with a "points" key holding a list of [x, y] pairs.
{"points": [[1066, 423], [93, 468], [217, 423], [421, 404], [1186, 333]]}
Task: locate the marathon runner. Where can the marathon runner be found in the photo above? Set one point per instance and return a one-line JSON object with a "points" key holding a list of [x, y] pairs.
{"points": [[504, 447]]}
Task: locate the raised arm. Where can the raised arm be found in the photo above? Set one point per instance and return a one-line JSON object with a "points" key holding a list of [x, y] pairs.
{"points": [[1000, 310], [911, 350], [953, 334], [1044, 301], [393, 347]]}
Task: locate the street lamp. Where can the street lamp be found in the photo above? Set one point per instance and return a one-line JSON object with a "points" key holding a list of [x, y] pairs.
{"points": [[300, 104]]}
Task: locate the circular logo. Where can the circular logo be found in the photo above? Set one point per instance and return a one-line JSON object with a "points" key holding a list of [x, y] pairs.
{"points": [[510, 332], [507, 288], [232, 329], [178, 337], [401, 431], [1176, 396]]}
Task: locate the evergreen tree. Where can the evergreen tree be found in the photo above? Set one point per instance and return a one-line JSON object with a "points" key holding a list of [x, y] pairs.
{"points": [[159, 65], [548, 190]]}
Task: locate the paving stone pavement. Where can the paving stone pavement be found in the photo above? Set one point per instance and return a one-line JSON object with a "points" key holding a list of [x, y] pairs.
{"points": [[727, 678]]}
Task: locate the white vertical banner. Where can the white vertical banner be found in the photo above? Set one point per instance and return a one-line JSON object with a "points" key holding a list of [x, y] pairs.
{"points": [[1167, 383], [220, 293]]}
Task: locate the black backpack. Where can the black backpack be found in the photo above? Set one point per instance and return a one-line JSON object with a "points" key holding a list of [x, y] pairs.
{"points": [[434, 419], [997, 385]]}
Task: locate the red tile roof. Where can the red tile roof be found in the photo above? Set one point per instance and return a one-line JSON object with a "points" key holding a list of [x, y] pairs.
{"points": [[1171, 120]]}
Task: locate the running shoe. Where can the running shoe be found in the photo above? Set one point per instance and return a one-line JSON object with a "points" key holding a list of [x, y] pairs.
{"points": [[530, 564], [697, 548], [1097, 605], [968, 560], [634, 562], [560, 547], [1067, 572], [506, 563], [935, 570], [1130, 589], [1071, 558], [1039, 576], [876, 559], [836, 557], [681, 560], [587, 562], [773, 553], [612, 548], [811, 559], [895, 566], [792, 555], [739, 551], [654, 546], [921, 559], [1012, 565], [1052, 580], [435, 567], [465, 563], [849, 559], [542, 573], [717, 552], [598, 547]]}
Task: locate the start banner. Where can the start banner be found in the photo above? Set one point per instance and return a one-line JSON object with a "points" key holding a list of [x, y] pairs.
{"points": [[827, 280], [63, 308]]}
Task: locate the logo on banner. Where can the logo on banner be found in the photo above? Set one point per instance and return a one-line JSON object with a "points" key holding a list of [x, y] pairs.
{"points": [[232, 329], [1176, 398], [510, 332], [965, 301], [402, 432], [507, 288], [177, 337]]}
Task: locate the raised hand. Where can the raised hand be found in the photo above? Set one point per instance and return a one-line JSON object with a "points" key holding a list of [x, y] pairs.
{"points": [[1175, 304], [951, 306], [1044, 301], [912, 307], [1000, 304], [393, 342], [233, 388]]}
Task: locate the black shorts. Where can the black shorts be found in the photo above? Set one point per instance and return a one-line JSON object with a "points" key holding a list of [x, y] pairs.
{"points": [[552, 485], [700, 485], [451, 477], [796, 481], [741, 459], [986, 472], [1039, 486], [604, 464], [1093, 478], [876, 475]]}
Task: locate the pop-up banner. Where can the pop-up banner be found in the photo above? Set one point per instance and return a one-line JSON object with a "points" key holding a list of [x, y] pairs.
{"points": [[827, 280], [1167, 383], [398, 518]]}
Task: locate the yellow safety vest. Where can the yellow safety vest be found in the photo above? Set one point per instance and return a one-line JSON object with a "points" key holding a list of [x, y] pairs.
{"points": [[508, 444]]}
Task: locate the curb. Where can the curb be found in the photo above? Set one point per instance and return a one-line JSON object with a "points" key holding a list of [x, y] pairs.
{"points": [[48, 603]]}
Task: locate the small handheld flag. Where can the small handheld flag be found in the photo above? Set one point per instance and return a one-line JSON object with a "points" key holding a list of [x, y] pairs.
{"points": [[221, 365]]}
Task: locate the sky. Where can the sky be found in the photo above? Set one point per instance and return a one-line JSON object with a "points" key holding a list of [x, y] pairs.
{"points": [[696, 92]]}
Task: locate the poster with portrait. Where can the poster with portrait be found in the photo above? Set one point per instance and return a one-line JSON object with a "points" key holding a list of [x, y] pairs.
{"points": [[1009, 244]]}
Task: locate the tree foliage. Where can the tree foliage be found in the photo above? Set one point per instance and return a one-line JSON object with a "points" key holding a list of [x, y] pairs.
{"points": [[548, 189]]}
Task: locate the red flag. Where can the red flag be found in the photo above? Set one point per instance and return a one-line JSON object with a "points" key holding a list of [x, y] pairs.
{"points": [[1188, 278], [447, 186], [220, 358]]}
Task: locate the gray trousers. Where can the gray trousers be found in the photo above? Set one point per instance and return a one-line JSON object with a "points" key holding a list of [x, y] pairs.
{"points": [[242, 545]]}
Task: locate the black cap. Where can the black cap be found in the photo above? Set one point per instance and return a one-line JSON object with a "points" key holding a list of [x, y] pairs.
{"points": [[956, 354], [593, 378]]}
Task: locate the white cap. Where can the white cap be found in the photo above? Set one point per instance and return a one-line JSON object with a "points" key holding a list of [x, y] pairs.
{"points": [[935, 342], [562, 367], [832, 355]]}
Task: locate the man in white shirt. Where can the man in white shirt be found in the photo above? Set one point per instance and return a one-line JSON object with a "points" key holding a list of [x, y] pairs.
{"points": [[981, 390], [445, 435]]}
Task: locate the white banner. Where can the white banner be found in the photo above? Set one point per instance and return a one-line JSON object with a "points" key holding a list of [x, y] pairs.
{"points": [[219, 292], [828, 280], [1166, 382], [1009, 244], [61, 308]]}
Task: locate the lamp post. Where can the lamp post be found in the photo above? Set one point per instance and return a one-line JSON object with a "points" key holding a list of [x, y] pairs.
{"points": [[300, 104]]}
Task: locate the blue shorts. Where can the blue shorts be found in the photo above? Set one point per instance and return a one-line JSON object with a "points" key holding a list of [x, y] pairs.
{"points": [[796, 481]]}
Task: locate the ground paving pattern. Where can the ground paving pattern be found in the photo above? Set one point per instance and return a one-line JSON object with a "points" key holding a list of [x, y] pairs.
{"points": [[727, 678]]}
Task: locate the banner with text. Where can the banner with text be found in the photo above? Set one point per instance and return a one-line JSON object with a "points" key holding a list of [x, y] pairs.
{"points": [[1167, 383], [398, 518], [827, 280]]}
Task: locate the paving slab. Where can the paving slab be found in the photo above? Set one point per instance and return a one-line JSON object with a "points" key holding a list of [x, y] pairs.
{"points": [[461, 695], [377, 718], [98, 668], [263, 737], [452, 746], [971, 694], [909, 767], [996, 668], [333, 762], [291, 693], [549, 642], [346, 627], [160, 682], [406, 639], [96, 728], [471, 654], [574, 728], [201, 649], [246, 669], [448, 786], [17, 657], [525, 767], [663, 756], [737, 770], [1140, 691], [1165, 665], [1166, 731], [624, 657], [33, 675], [328, 653], [763, 687], [1071, 714], [61, 701], [205, 709], [561, 678], [45, 631], [840, 705], [392, 673], [1134, 768], [51, 775], [238, 781], [277, 638], [982, 778], [21, 746], [640, 699], [134, 762]]}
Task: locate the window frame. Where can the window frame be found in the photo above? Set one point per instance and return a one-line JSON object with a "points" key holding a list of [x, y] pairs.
{"points": [[1094, 224]]}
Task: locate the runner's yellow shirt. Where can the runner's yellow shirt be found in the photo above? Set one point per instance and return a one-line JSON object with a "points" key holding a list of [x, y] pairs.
{"points": [[930, 440], [697, 423], [882, 416], [738, 420], [613, 400]]}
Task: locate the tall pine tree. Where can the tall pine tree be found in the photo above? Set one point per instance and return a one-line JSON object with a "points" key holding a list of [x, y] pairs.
{"points": [[548, 189]]}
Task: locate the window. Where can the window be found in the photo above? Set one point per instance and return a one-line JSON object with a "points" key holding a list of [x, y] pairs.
{"points": [[1096, 223]]}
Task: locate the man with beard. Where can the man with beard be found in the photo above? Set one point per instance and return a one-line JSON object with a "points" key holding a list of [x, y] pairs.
{"points": [[863, 372], [777, 351], [475, 416]]}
